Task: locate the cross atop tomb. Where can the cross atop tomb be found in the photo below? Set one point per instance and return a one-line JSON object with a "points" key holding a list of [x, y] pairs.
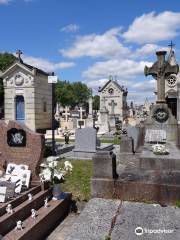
{"points": [[81, 110], [171, 45], [66, 114], [160, 70], [112, 104], [19, 53]]}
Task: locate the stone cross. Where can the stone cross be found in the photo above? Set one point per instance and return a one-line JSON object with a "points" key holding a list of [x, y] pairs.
{"points": [[90, 106], [112, 104], [66, 114], [160, 70], [103, 105], [81, 113]]}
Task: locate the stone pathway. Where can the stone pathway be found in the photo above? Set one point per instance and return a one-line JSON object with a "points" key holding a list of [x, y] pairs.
{"points": [[62, 229]]}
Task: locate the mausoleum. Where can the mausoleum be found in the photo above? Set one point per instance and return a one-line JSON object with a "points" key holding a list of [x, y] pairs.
{"points": [[27, 95]]}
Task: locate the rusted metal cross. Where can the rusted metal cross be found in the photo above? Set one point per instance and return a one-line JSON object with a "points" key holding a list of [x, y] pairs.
{"points": [[160, 70]]}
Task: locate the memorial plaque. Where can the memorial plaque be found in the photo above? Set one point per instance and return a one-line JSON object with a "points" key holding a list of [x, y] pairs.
{"points": [[16, 137]]}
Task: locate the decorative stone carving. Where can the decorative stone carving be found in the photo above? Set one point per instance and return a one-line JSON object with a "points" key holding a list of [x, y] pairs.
{"points": [[19, 79], [171, 81], [161, 115]]}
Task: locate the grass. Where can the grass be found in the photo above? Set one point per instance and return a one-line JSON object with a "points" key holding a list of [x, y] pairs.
{"points": [[115, 141], [178, 203], [78, 182]]}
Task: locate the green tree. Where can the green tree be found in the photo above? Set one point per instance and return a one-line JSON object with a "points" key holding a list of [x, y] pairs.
{"points": [[6, 60], [72, 94], [96, 102]]}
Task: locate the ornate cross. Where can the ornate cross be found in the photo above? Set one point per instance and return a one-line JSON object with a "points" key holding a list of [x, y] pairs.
{"points": [[160, 70], [112, 104], [19, 53], [66, 114]]}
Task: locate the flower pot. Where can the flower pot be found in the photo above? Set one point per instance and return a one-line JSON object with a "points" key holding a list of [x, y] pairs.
{"points": [[56, 191]]}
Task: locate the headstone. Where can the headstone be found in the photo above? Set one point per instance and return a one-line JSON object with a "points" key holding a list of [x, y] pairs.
{"points": [[126, 144], [104, 165], [2, 194], [29, 153], [85, 140]]}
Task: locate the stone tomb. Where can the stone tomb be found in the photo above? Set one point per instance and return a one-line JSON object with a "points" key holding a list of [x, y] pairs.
{"points": [[87, 144], [20, 145], [144, 175]]}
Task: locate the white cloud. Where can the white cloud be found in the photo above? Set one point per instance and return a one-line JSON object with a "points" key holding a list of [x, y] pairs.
{"points": [[97, 45], [120, 67], [46, 65], [70, 28], [150, 28], [4, 1]]}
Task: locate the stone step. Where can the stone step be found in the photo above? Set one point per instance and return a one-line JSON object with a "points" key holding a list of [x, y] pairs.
{"points": [[40, 227], [62, 230], [20, 199], [22, 211]]}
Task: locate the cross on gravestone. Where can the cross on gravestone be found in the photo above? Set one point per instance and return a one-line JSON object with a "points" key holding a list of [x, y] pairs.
{"points": [[66, 114], [81, 110], [160, 70], [112, 104]]}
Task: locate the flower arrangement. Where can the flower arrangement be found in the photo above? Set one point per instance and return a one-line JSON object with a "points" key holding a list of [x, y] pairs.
{"points": [[52, 173], [160, 149]]}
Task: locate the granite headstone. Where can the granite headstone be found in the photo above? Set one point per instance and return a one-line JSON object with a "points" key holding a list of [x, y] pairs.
{"points": [[85, 140]]}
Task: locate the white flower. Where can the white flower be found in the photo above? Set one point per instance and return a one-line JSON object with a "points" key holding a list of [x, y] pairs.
{"points": [[43, 165], [160, 149], [68, 166], [45, 175], [53, 164]]}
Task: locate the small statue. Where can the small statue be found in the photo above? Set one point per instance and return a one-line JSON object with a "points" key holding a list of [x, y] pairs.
{"points": [[46, 202], [30, 197], [33, 213], [19, 225], [9, 209]]}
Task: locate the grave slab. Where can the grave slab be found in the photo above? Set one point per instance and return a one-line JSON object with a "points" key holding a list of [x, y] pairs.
{"points": [[95, 221]]}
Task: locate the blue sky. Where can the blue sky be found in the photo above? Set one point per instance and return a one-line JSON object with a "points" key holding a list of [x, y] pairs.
{"points": [[89, 40]]}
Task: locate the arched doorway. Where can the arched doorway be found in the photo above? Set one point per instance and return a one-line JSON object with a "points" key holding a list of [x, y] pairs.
{"points": [[20, 109]]}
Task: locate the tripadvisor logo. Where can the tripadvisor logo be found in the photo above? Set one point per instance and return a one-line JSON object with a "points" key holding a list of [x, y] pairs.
{"points": [[139, 231]]}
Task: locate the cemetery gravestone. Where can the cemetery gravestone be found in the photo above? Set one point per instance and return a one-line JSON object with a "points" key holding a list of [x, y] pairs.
{"points": [[20, 145], [2, 194], [86, 140]]}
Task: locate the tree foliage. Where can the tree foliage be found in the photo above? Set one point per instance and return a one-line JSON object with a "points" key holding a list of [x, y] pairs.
{"points": [[96, 102], [6, 60], [72, 94]]}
